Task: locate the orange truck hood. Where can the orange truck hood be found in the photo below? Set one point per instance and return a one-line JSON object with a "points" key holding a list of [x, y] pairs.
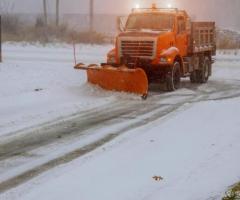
{"points": [[142, 33]]}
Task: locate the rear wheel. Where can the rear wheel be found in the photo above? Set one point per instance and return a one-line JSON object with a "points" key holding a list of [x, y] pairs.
{"points": [[173, 78], [193, 77], [203, 74]]}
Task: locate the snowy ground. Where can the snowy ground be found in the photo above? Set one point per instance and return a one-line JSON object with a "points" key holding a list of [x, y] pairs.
{"points": [[50, 70], [189, 137]]}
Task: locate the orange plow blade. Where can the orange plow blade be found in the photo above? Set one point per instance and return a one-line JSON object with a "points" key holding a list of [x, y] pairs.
{"points": [[117, 79]]}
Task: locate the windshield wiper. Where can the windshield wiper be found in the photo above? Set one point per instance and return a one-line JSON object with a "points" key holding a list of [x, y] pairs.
{"points": [[160, 29], [133, 29], [146, 29]]}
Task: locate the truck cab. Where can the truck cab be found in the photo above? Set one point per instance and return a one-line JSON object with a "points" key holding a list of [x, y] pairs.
{"points": [[166, 45]]}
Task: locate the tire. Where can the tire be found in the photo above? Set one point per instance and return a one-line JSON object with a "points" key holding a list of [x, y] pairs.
{"points": [[144, 96], [193, 77], [173, 78], [202, 75]]}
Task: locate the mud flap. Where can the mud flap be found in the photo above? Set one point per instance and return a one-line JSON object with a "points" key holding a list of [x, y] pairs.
{"points": [[119, 79]]}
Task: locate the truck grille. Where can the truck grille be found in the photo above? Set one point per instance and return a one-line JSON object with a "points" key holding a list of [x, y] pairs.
{"points": [[137, 48]]}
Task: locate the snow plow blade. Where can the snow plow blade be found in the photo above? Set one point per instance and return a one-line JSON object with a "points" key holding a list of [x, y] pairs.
{"points": [[119, 79]]}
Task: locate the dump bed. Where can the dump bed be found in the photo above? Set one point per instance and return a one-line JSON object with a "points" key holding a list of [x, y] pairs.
{"points": [[203, 37]]}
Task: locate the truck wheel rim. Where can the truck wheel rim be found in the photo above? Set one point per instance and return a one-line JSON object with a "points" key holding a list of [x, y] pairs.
{"points": [[206, 69]]}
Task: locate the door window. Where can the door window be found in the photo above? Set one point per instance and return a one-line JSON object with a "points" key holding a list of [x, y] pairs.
{"points": [[181, 25]]}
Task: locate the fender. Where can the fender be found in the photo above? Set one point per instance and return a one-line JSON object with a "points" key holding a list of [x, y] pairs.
{"points": [[169, 55]]}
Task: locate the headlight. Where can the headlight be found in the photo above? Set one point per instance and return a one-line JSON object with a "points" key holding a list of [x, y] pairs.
{"points": [[165, 60]]}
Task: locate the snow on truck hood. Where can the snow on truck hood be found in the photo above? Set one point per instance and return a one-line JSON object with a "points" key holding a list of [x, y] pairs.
{"points": [[142, 33]]}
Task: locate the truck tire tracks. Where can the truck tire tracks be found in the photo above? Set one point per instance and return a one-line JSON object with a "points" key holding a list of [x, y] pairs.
{"points": [[137, 113]]}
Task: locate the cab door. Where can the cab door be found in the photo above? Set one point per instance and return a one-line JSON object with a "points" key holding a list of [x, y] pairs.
{"points": [[182, 36]]}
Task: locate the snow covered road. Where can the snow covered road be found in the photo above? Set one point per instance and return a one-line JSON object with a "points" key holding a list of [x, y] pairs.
{"points": [[38, 84], [50, 117], [194, 163]]}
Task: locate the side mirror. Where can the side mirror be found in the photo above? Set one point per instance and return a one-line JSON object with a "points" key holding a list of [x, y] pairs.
{"points": [[121, 21]]}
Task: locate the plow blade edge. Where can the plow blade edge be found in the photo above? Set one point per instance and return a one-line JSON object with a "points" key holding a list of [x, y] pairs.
{"points": [[118, 79], [123, 79]]}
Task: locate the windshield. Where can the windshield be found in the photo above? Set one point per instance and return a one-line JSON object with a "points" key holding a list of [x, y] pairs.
{"points": [[150, 21]]}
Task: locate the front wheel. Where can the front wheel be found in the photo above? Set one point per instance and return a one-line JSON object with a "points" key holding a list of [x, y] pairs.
{"points": [[144, 96], [173, 78]]}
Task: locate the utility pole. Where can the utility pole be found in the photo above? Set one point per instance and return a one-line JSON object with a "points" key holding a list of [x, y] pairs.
{"points": [[45, 12], [91, 15], [57, 12], [0, 38]]}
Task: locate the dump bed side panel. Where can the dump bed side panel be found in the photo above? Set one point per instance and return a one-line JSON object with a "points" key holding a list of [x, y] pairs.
{"points": [[203, 37]]}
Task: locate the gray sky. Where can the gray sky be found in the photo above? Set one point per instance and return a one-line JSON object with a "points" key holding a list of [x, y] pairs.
{"points": [[122, 6], [74, 6], [78, 6], [225, 12]]}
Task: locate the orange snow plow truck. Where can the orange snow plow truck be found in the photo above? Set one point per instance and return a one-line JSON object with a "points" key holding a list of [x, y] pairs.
{"points": [[156, 45]]}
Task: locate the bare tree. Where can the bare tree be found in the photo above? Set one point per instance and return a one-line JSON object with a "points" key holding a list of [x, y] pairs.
{"points": [[10, 21], [57, 12], [6, 7], [45, 12], [91, 15]]}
